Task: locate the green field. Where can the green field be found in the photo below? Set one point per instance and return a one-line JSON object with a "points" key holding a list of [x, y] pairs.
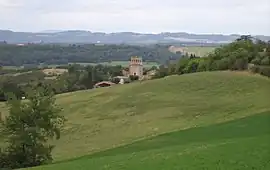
{"points": [[239, 144], [197, 50], [106, 118], [200, 51]]}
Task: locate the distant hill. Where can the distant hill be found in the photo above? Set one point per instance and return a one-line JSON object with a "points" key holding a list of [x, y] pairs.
{"points": [[81, 36], [50, 31]]}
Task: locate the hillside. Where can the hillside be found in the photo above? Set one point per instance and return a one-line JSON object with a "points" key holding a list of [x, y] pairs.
{"points": [[231, 145], [106, 118]]}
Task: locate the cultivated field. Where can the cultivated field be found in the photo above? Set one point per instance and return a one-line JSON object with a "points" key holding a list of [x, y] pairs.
{"points": [[107, 118]]}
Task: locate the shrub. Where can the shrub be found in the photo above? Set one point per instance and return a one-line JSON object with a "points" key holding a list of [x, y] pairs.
{"points": [[116, 80], [133, 77], [263, 70]]}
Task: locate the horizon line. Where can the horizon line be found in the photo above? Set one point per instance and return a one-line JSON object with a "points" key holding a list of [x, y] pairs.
{"points": [[137, 32]]}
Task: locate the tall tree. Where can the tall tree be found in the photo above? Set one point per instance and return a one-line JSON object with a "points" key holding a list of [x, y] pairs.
{"points": [[28, 127]]}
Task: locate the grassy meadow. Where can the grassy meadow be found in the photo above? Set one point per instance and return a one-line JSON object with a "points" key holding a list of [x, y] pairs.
{"points": [[197, 50], [200, 51], [209, 120], [231, 145]]}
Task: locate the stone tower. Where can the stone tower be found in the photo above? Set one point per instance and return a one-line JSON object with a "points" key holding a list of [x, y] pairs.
{"points": [[136, 67]]}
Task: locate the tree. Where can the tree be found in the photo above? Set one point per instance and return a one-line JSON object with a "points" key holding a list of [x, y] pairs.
{"points": [[265, 61], [27, 129], [204, 65], [133, 77], [181, 65], [244, 38]]}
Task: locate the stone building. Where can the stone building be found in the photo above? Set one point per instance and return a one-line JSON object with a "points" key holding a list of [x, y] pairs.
{"points": [[136, 67]]}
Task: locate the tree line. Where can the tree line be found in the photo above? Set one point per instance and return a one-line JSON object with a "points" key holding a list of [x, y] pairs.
{"points": [[245, 53], [48, 54]]}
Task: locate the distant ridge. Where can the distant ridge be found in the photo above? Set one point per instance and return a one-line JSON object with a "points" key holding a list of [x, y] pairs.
{"points": [[50, 31], [81, 36]]}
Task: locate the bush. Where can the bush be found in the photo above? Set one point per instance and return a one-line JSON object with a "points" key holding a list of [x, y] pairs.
{"points": [[241, 64], [262, 70], [265, 61], [116, 80], [265, 71], [223, 64], [133, 77]]}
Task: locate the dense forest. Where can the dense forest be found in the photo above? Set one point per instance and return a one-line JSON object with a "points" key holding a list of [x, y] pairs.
{"points": [[245, 53], [31, 54]]}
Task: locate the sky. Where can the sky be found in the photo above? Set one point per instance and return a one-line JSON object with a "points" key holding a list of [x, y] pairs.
{"points": [[144, 16]]}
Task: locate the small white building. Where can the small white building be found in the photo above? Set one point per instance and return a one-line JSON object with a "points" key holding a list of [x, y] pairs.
{"points": [[123, 79]]}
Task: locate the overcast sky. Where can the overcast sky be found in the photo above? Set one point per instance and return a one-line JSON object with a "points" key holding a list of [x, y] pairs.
{"points": [[152, 16]]}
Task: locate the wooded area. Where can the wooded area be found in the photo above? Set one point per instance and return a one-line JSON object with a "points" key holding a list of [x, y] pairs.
{"points": [[31, 54], [245, 53]]}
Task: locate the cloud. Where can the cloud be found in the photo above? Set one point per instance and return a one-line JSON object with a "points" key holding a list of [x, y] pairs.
{"points": [[211, 16]]}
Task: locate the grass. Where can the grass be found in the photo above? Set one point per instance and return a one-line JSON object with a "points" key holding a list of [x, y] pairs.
{"points": [[200, 51], [232, 145], [106, 118], [197, 50]]}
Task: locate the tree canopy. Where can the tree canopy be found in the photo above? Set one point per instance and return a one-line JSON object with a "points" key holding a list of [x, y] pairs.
{"points": [[27, 129], [12, 55]]}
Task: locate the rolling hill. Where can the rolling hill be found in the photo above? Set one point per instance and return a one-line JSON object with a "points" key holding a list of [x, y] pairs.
{"points": [[232, 145], [192, 121]]}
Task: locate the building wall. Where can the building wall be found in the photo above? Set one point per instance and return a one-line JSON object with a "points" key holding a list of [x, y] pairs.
{"points": [[136, 67], [136, 70]]}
